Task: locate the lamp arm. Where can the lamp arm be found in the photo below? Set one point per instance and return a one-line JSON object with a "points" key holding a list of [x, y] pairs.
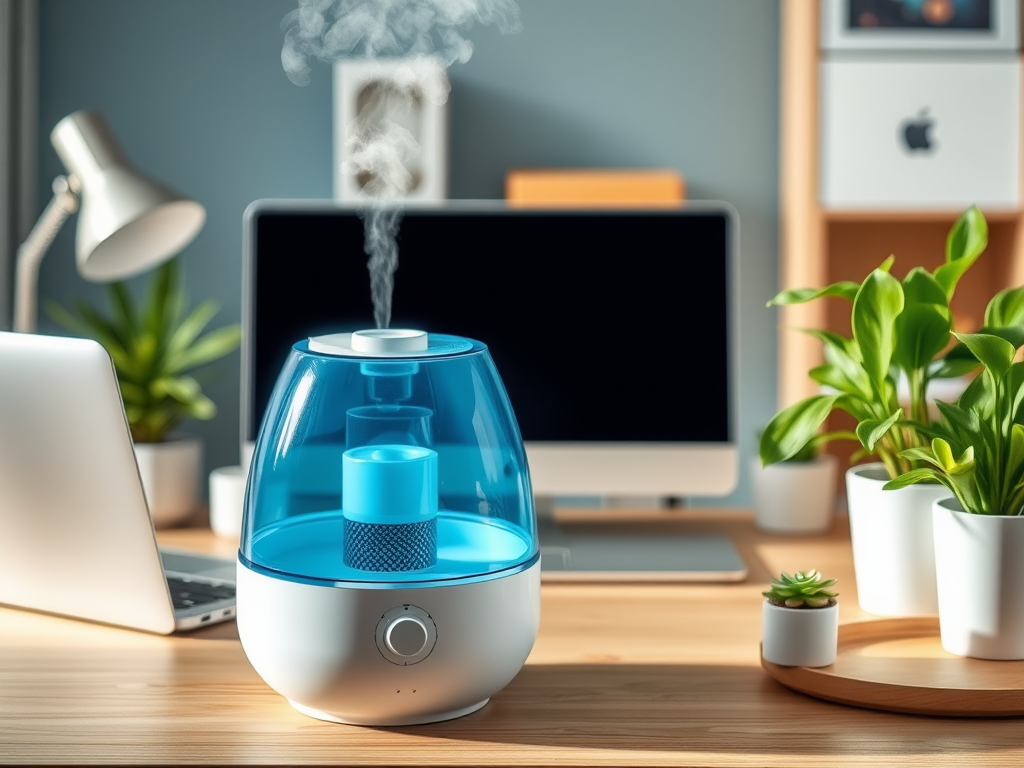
{"points": [[30, 254]]}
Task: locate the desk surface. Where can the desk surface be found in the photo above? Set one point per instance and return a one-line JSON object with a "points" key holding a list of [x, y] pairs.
{"points": [[620, 675]]}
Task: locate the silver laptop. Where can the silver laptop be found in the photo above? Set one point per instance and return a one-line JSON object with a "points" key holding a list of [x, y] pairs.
{"points": [[76, 538]]}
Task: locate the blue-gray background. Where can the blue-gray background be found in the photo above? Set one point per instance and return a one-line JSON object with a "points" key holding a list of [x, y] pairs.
{"points": [[196, 93]]}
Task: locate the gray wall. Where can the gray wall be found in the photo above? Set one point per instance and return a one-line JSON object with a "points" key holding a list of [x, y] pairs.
{"points": [[196, 93]]}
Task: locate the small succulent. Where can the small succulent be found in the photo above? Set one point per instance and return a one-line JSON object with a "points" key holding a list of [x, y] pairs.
{"points": [[805, 589]]}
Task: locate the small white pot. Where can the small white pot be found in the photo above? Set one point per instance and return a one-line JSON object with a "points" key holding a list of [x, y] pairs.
{"points": [[979, 562], [799, 637], [170, 473], [893, 550], [227, 501], [795, 496]]}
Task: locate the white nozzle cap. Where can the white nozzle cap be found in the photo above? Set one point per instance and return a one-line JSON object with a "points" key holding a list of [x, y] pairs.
{"points": [[389, 341]]}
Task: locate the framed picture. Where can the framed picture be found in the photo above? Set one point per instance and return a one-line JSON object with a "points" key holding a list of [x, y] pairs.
{"points": [[920, 25], [398, 102]]}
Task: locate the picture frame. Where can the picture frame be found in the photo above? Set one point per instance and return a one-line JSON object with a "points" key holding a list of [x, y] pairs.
{"points": [[920, 25], [361, 89]]}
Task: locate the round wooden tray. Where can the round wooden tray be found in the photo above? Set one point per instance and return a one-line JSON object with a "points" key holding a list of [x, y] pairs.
{"points": [[899, 665]]}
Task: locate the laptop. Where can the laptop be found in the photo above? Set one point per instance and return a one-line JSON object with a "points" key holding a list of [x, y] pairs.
{"points": [[76, 538]]}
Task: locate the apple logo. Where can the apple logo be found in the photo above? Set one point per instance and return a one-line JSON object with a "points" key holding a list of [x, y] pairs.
{"points": [[914, 132]]}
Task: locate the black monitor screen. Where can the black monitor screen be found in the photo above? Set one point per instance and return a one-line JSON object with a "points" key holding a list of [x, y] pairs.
{"points": [[607, 326]]}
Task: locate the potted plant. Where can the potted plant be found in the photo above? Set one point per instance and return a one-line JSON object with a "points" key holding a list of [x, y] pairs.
{"points": [[795, 496], [155, 349], [977, 452], [800, 621], [900, 329]]}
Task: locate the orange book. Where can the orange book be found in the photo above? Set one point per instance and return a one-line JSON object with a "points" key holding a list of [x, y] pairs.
{"points": [[604, 187]]}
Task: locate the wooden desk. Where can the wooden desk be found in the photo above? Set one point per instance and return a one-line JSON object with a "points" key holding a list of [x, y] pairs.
{"points": [[620, 675]]}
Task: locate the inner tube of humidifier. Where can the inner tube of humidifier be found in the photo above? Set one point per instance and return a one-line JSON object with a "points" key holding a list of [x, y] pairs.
{"points": [[389, 504]]}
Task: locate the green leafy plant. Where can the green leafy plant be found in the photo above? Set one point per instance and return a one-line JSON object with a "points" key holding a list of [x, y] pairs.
{"points": [[804, 589], [977, 447], [155, 349], [900, 328], [809, 451]]}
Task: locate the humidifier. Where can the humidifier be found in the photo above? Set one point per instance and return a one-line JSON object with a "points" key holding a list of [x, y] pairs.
{"points": [[389, 572]]}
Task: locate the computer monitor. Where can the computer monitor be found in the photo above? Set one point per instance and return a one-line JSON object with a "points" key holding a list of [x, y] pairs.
{"points": [[558, 295]]}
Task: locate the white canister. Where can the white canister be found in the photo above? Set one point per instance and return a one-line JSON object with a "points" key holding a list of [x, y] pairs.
{"points": [[893, 550], [799, 637], [979, 561], [171, 473], [227, 500], [795, 496]]}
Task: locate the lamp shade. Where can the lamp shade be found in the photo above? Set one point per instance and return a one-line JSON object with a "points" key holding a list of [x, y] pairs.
{"points": [[128, 222]]}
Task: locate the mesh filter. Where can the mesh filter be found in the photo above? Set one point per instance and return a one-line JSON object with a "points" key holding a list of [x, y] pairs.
{"points": [[391, 547]]}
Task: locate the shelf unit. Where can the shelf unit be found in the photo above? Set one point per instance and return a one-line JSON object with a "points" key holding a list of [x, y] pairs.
{"points": [[819, 246]]}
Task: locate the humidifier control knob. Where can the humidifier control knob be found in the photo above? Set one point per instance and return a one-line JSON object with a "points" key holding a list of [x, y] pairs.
{"points": [[406, 635]]}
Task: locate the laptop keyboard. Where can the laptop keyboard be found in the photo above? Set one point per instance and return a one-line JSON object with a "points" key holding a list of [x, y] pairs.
{"points": [[186, 593]]}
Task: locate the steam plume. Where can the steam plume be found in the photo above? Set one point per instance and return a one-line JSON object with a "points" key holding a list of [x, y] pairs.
{"points": [[430, 35]]}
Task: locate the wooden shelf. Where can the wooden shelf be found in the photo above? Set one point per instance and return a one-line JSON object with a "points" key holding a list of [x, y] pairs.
{"points": [[946, 217], [820, 246]]}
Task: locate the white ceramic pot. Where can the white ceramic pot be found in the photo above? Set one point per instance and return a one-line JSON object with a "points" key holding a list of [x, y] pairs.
{"points": [[170, 473], [227, 501], [795, 496], [893, 551], [799, 637], [979, 561]]}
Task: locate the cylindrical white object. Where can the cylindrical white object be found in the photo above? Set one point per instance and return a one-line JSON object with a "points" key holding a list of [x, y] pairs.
{"points": [[799, 637], [979, 562], [227, 500], [893, 550], [795, 496], [320, 646], [389, 341], [170, 473]]}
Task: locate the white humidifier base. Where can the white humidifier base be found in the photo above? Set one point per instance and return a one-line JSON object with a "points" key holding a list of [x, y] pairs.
{"points": [[368, 654], [435, 718]]}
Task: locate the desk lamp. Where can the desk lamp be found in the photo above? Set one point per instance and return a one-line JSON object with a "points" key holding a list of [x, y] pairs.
{"points": [[128, 222]]}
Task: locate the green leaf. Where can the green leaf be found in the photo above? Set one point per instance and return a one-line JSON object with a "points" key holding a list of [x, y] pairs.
{"points": [[201, 408], [1015, 458], [845, 290], [1015, 387], [978, 396], [1006, 308], [166, 283], [950, 369], [210, 347], [965, 421], [869, 432], [184, 389], [966, 240], [793, 427], [947, 462], [914, 476], [832, 340], [920, 455], [922, 332], [192, 326], [995, 354], [919, 287], [125, 321], [843, 355], [1010, 333], [875, 309]]}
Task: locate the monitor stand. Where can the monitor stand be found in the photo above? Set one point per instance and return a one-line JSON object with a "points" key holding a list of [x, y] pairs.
{"points": [[644, 550]]}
